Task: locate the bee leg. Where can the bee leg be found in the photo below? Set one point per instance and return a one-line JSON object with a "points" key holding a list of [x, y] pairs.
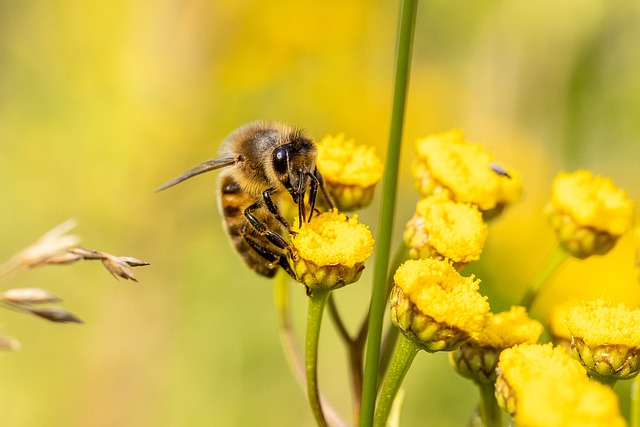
{"points": [[273, 209], [326, 196], [284, 263], [313, 193], [271, 236], [270, 255]]}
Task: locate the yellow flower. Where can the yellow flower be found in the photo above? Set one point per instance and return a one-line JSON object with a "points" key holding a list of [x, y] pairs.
{"points": [[521, 364], [637, 234], [542, 386], [435, 306], [350, 171], [464, 171], [509, 328], [477, 358], [443, 229], [558, 324], [547, 402], [330, 250], [588, 213], [606, 339]]}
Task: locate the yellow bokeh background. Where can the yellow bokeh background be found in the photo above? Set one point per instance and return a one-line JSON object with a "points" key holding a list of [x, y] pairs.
{"points": [[101, 102]]}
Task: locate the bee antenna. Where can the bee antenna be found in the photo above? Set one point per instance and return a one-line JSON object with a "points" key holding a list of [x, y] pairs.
{"points": [[207, 166]]}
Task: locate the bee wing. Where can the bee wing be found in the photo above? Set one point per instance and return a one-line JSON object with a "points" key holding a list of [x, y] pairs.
{"points": [[207, 166]]}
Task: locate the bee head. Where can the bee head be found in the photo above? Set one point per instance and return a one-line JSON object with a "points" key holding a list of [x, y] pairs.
{"points": [[294, 164]]}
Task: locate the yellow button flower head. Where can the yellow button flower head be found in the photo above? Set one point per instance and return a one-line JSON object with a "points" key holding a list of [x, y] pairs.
{"points": [[443, 229], [465, 172], [331, 250], [606, 339], [558, 324], [637, 235], [350, 171], [477, 358], [509, 328], [436, 307], [521, 364], [547, 402], [588, 213]]}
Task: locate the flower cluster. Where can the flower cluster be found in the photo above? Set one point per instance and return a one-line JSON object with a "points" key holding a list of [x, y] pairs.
{"points": [[432, 304], [460, 186], [437, 309]]}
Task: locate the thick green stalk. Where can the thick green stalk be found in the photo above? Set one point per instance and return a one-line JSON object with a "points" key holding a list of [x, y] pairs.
{"points": [[317, 301], [400, 363], [490, 412], [387, 210], [391, 337], [555, 259]]}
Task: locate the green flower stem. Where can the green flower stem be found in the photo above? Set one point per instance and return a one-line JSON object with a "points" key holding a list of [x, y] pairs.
{"points": [[338, 322], [290, 345], [387, 210], [388, 344], [489, 410], [355, 347], [555, 259], [400, 364], [317, 301], [635, 402]]}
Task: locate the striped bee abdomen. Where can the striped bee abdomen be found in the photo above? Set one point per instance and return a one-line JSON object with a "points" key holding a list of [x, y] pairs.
{"points": [[232, 202]]}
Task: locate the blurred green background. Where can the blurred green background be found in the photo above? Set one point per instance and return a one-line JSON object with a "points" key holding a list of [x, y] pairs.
{"points": [[100, 102]]}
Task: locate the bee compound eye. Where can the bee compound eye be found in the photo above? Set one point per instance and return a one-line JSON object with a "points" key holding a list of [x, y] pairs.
{"points": [[280, 160]]}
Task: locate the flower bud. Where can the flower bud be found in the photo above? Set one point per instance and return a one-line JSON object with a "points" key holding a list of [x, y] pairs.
{"points": [[557, 322], [444, 229], [477, 358], [522, 364], [588, 213], [350, 171], [436, 307], [464, 172], [605, 339]]}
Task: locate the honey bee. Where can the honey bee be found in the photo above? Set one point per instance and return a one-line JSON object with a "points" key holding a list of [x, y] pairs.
{"points": [[263, 161]]}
